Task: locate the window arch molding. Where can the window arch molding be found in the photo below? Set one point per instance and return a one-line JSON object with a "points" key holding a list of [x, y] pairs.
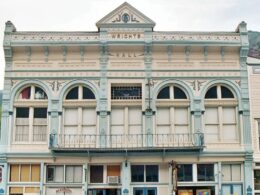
{"points": [[67, 87], [18, 87], [182, 85], [232, 86]]}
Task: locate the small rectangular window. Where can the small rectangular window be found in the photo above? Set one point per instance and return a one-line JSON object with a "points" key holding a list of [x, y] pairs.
{"points": [[55, 173], [231, 172], [73, 174], [151, 173], [137, 173], [40, 113], [22, 112], [257, 179], [96, 174], [126, 92], [205, 172], [185, 172]]}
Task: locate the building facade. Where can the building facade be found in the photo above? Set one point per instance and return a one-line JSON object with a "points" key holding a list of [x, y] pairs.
{"points": [[126, 110], [254, 78]]}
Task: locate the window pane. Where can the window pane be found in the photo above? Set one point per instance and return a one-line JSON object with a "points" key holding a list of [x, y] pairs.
{"points": [[211, 93], [179, 94], [35, 173], [73, 94], [151, 192], [164, 93], [1, 174], [229, 133], [205, 172], [236, 172], [257, 179], [14, 173], [22, 112], [39, 93], [25, 93], [211, 116], [151, 173], [40, 113], [138, 192], [137, 173], [185, 173], [25, 173], [87, 93], [59, 174], [50, 173], [226, 172], [229, 115], [78, 174], [181, 116], [69, 174], [226, 93], [96, 174], [113, 170]]}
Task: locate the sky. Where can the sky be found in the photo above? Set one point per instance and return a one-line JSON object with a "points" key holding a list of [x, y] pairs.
{"points": [[169, 15]]}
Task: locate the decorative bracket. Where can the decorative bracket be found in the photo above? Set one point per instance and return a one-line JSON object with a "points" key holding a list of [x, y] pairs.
{"points": [[28, 51], [170, 52], [206, 52], [82, 53], [222, 53], [46, 53], [64, 53], [187, 52]]}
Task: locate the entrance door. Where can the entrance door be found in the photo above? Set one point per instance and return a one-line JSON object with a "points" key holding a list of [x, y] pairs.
{"points": [[145, 191], [104, 192]]}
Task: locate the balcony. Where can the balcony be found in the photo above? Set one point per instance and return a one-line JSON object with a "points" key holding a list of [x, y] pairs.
{"points": [[130, 142]]}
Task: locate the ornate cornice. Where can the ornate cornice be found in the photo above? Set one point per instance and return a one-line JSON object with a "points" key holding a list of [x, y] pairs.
{"points": [[27, 38]]}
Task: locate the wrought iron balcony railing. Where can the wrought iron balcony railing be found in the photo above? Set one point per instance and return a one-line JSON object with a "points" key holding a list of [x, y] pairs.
{"points": [[122, 141]]}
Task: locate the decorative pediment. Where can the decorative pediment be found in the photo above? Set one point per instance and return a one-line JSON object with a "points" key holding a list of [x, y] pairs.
{"points": [[125, 15]]}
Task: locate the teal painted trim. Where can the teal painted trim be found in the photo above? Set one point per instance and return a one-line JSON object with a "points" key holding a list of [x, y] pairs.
{"points": [[132, 70], [65, 88], [3, 184], [15, 89], [229, 84], [42, 179], [53, 43]]}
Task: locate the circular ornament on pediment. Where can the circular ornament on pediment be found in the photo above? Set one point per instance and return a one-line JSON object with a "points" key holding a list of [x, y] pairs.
{"points": [[125, 17]]}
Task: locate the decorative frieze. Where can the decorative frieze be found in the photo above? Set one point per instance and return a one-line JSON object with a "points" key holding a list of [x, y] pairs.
{"points": [[214, 37]]}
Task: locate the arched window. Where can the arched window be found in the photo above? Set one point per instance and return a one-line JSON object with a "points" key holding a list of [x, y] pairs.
{"points": [[172, 115], [79, 108], [31, 115], [220, 118]]}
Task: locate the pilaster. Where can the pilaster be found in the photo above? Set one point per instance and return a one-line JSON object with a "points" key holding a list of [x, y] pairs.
{"points": [[148, 89], [85, 179], [196, 111], [248, 176], [54, 115], [42, 179], [126, 177], [9, 28], [103, 85], [3, 184]]}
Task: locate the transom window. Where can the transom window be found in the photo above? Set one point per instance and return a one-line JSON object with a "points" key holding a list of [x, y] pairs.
{"points": [[231, 172], [80, 92], [24, 173], [126, 92], [219, 92], [31, 119], [220, 116], [171, 92], [32, 92]]}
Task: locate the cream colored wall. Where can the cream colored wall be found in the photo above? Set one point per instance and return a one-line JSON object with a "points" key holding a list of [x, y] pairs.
{"points": [[254, 83]]}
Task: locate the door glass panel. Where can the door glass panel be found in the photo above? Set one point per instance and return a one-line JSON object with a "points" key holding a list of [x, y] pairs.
{"points": [[151, 192], [138, 192]]}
